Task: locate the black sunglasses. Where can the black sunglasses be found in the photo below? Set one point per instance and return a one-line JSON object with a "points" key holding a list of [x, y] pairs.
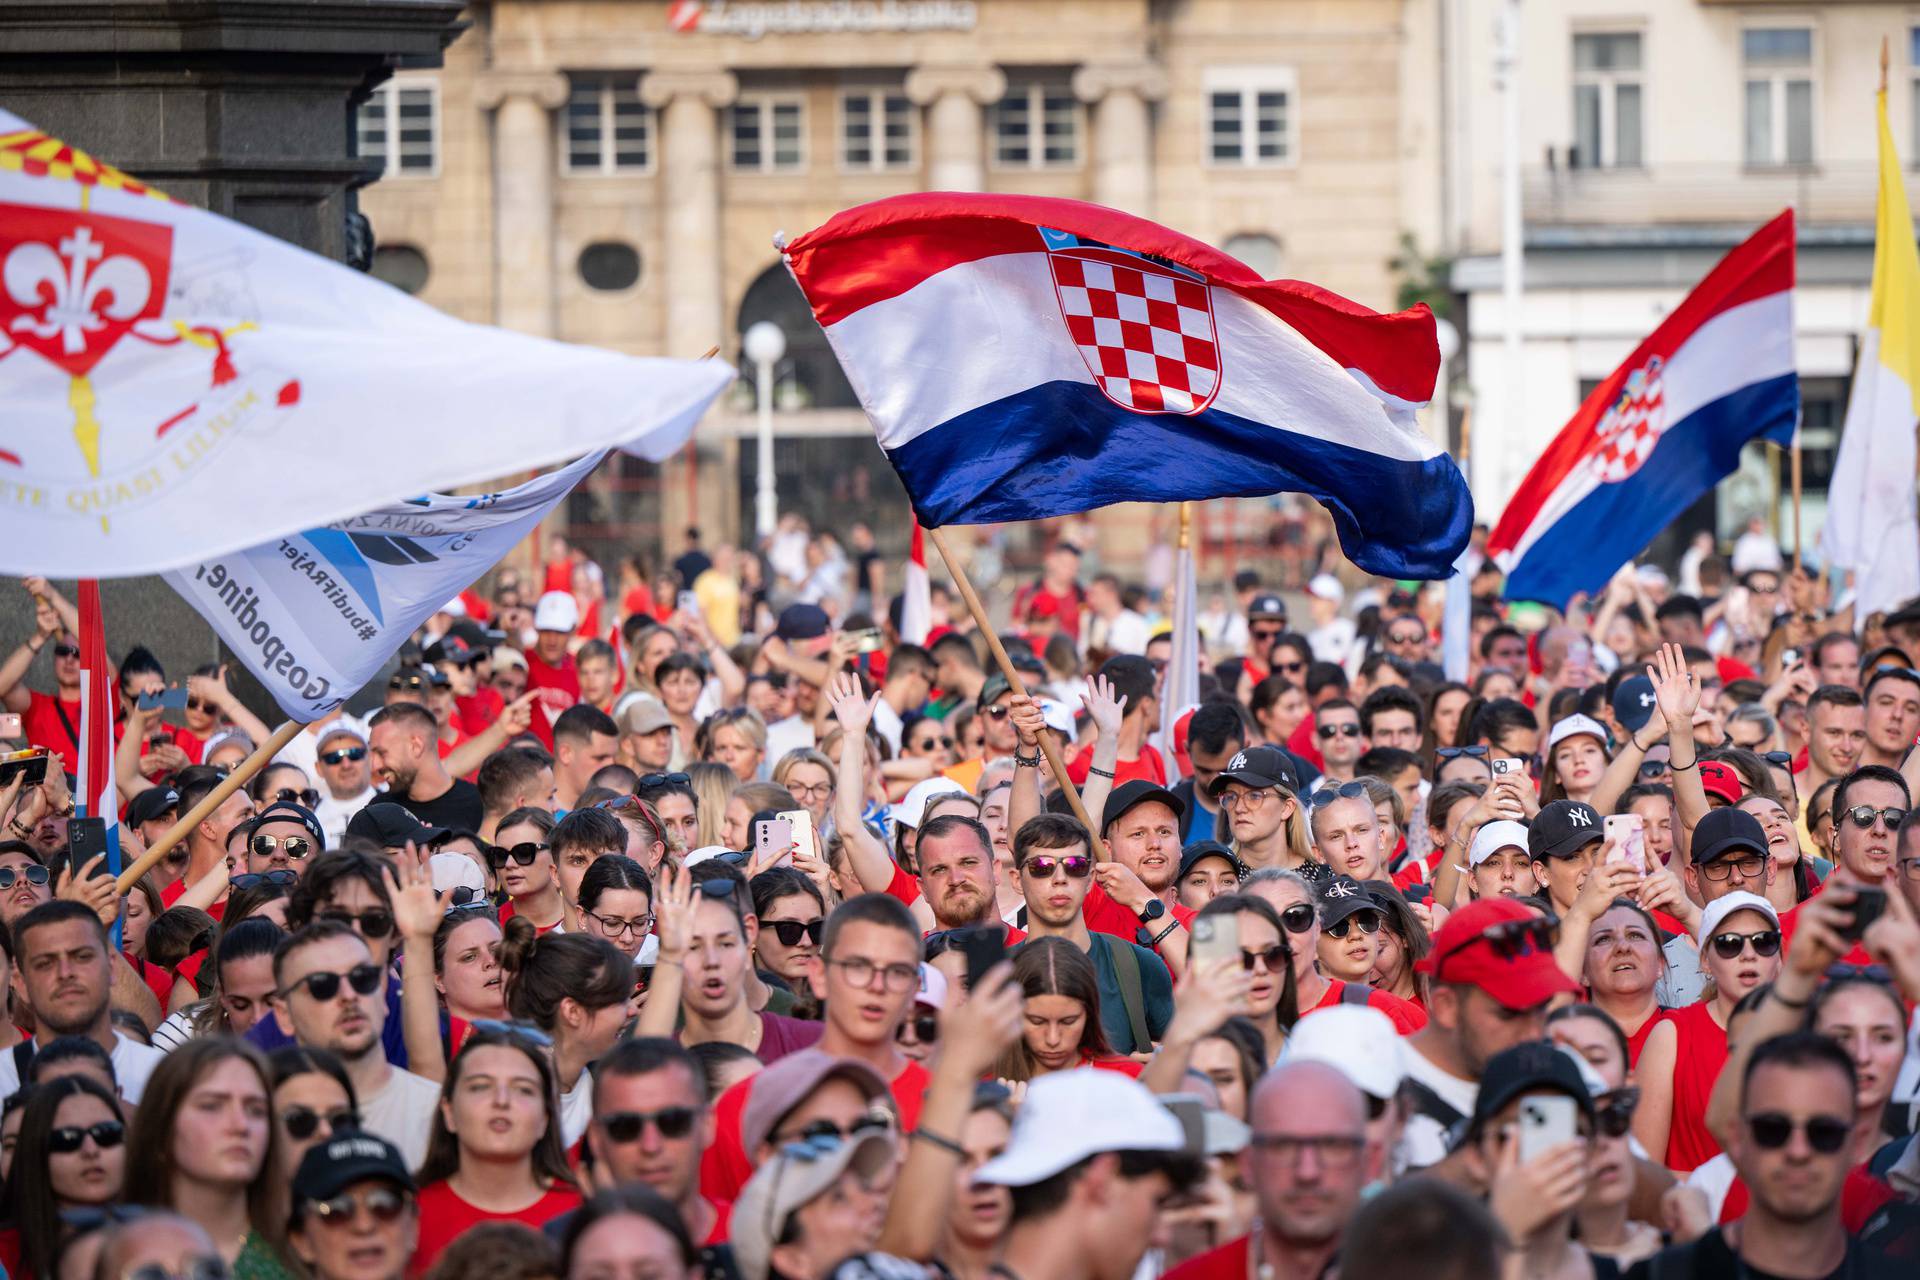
{"points": [[791, 931], [1654, 768], [1450, 753], [374, 922], [67, 1139], [1345, 791], [524, 854], [1614, 1114], [1728, 946], [383, 1204], [650, 780], [1825, 1134], [1276, 957], [365, 979], [672, 1122], [1369, 922], [10, 876], [303, 1122], [250, 880], [1338, 730], [1779, 759], [925, 1024], [1298, 918], [306, 798], [65, 650], [341, 756], [1860, 973], [1862, 816]]}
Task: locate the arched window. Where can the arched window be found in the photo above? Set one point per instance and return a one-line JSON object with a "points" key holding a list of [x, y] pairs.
{"points": [[1261, 252]]}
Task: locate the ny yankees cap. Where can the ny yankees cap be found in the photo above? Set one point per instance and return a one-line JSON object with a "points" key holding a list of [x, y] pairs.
{"points": [[1564, 828], [1634, 703]]}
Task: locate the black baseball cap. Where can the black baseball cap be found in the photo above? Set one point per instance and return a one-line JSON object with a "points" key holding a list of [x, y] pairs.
{"points": [[1131, 795], [1344, 896], [152, 803], [390, 826], [1267, 605], [1634, 703], [450, 650], [1533, 1066], [802, 622], [1199, 850], [995, 686], [1564, 828], [1727, 832], [288, 811], [1258, 767], [1133, 677], [331, 1167]]}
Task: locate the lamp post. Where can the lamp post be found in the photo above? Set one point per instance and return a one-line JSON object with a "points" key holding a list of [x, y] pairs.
{"points": [[764, 345]]}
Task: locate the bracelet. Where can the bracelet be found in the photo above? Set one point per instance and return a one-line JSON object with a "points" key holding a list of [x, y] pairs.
{"points": [[36, 647], [1027, 762], [1104, 773], [1681, 768], [1774, 994], [934, 1139], [1165, 933]]}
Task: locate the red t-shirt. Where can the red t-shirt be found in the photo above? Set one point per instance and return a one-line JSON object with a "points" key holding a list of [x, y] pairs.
{"points": [[1638, 1040], [1147, 767], [1790, 920], [171, 894], [1700, 1053], [562, 677], [539, 930], [1124, 1066], [1104, 915], [1228, 1262], [1407, 1017], [477, 711], [44, 727], [1306, 744], [726, 1166], [444, 1216]]}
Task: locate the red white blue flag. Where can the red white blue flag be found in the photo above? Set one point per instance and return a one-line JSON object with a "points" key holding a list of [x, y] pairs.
{"points": [[1664, 428], [1023, 357]]}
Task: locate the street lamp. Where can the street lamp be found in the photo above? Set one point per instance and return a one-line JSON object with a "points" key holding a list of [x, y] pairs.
{"points": [[764, 345]]}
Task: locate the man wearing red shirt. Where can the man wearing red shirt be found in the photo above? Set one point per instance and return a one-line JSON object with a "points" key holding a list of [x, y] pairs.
{"points": [[1266, 623], [48, 720], [1865, 852], [549, 665], [1134, 681], [1058, 591], [957, 876]]}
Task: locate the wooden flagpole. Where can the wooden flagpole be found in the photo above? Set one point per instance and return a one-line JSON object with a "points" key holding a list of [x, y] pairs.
{"points": [[1793, 457], [261, 757], [1186, 525], [1055, 764]]}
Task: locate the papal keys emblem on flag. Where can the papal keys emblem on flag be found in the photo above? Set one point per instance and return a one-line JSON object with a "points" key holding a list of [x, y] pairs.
{"points": [[1633, 425], [1144, 327]]}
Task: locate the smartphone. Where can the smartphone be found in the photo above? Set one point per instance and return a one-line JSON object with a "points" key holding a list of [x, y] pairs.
{"points": [[1503, 765], [772, 842], [87, 838], [984, 946], [1626, 836], [1546, 1121], [1789, 658], [689, 602], [801, 822], [1215, 938], [168, 699], [868, 641], [1868, 902], [29, 765], [10, 724]]}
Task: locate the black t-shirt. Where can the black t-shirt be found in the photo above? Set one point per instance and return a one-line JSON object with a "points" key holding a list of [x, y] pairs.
{"points": [[1711, 1258], [457, 808]]}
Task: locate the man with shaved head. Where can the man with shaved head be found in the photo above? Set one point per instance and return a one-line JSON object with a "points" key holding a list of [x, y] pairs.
{"points": [[1309, 1158]]}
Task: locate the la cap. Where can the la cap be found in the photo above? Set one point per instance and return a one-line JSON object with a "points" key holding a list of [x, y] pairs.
{"points": [[557, 611], [1563, 828], [1069, 1116], [1472, 948], [1131, 795], [1725, 833], [1715, 913], [1356, 1040], [1501, 833], [784, 1085], [1257, 767], [1265, 606]]}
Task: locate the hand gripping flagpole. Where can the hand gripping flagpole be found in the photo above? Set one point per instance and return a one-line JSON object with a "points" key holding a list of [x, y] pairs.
{"points": [[1054, 762], [261, 757]]}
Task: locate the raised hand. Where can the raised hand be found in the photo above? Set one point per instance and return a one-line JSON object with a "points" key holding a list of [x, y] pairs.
{"points": [[851, 707], [673, 912], [985, 1023], [1208, 995], [1674, 688], [417, 909], [1100, 702], [517, 716], [1027, 719]]}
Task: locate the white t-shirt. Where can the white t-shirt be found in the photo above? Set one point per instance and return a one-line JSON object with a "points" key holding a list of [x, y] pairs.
{"points": [[576, 1110], [1423, 1143], [888, 723], [133, 1062], [794, 733], [403, 1113]]}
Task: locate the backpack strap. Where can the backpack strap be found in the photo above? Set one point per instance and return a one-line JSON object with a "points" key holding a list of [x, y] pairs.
{"points": [[22, 1060], [1355, 993], [1126, 971]]}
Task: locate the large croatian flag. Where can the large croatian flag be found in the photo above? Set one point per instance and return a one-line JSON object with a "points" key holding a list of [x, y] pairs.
{"points": [[1024, 357], [1664, 428]]}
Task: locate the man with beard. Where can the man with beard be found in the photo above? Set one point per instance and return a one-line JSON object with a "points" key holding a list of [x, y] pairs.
{"points": [[957, 874], [63, 965], [401, 741]]}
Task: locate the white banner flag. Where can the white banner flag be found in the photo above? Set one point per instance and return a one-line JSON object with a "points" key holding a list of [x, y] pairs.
{"points": [[315, 615], [175, 386]]}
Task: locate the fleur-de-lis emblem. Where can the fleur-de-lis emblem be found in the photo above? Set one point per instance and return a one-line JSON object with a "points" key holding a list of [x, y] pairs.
{"points": [[73, 296]]}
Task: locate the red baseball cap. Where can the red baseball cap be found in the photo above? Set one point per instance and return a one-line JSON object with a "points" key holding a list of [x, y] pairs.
{"points": [[1488, 944], [1720, 780]]}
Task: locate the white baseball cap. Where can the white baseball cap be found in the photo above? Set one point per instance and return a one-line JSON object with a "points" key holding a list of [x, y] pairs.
{"points": [[455, 608], [702, 854], [933, 987], [503, 657], [1502, 833], [455, 871], [1325, 586], [1069, 1116], [1358, 1041], [913, 806], [557, 611], [1715, 913], [1059, 717], [1572, 727]]}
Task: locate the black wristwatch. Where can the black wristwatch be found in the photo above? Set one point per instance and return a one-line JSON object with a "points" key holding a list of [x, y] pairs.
{"points": [[1153, 910]]}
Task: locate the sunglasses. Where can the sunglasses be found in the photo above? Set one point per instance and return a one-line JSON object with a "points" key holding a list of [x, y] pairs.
{"points": [[1862, 816], [1369, 922], [250, 880], [519, 1030], [1298, 918], [383, 1204], [928, 744], [32, 875], [365, 979], [1274, 957], [374, 922], [1345, 791], [303, 1122], [1453, 753], [997, 713], [791, 931], [1860, 972], [1078, 866], [1728, 946], [410, 681], [1509, 940], [67, 1139], [1780, 759], [307, 798], [1407, 637], [1655, 768], [341, 756], [1328, 731], [1614, 1114], [1266, 633], [1825, 1134], [651, 780], [673, 1123], [199, 704], [817, 1132], [65, 650], [1290, 667], [524, 854], [297, 847], [926, 1027], [211, 1267]]}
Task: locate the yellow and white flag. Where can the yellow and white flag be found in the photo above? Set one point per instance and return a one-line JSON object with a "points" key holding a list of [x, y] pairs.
{"points": [[1871, 525]]}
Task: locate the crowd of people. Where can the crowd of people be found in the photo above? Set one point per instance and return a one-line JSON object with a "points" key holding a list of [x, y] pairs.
{"points": [[714, 928]]}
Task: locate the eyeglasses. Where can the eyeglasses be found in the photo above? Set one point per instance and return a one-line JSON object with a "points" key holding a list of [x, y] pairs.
{"points": [[1772, 1130], [373, 923], [1862, 816], [365, 979], [791, 931], [341, 756], [1369, 922], [816, 1132], [306, 798], [1345, 791], [1298, 918], [1233, 801], [383, 1204], [673, 1123], [1728, 946], [211, 1267], [62, 649], [1614, 1111], [860, 972], [250, 880], [518, 1030], [1910, 868], [302, 1123], [1274, 957], [1334, 1150], [1750, 867], [297, 847], [615, 927], [1329, 731], [649, 781], [67, 1139], [1078, 866], [925, 1026], [524, 854], [9, 876]]}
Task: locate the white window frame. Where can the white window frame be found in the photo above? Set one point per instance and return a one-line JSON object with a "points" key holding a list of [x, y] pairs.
{"points": [[1250, 83], [1609, 83], [1036, 88], [876, 96], [764, 104], [1777, 78], [388, 95], [607, 164]]}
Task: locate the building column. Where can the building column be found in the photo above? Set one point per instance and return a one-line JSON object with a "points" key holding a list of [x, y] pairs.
{"points": [[955, 137], [689, 103], [1119, 94], [523, 103]]}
